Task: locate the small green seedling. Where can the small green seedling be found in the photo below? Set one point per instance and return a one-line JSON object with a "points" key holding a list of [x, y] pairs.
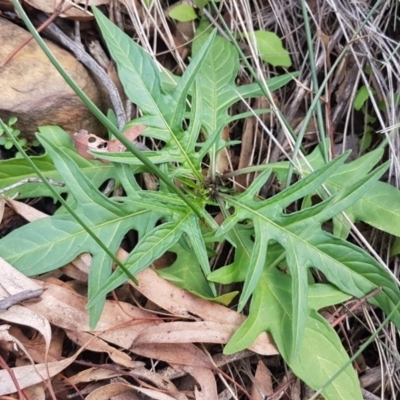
{"points": [[7, 143]]}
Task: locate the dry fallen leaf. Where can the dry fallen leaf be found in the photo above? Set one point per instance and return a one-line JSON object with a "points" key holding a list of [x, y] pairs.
{"points": [[119, 324], [262, 385], [25, 210], [115, 389], [180, 354], [31, 374], [92, 374], [187, 332], [36, 344], [85, 141], [181, 303], [98, 345], [23, 316], [205, 378], [106, 392], [13, 281]]}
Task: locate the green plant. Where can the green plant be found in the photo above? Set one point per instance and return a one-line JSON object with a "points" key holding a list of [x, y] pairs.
{"points": [[183, 13], [8, 144], [269, 44], [186, 12], [274, 247]]}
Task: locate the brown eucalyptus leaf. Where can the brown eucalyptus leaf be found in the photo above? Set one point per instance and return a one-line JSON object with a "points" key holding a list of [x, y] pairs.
{"points": [[31, 374], [120, 322], [262, 386]]}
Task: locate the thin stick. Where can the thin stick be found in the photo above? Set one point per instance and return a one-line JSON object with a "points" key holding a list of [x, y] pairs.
{"points": [[80, 53], [357, 304], [13, 299]]}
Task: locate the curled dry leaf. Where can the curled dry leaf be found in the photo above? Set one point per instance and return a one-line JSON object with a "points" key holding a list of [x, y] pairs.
{"points": [[13, 281], [205, 378], [36, 344], [85, 141], [11, 344], [13, 284], [23, 316]]}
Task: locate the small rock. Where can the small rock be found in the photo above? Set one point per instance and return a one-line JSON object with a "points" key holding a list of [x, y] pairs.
{"points": [[33, 90]]}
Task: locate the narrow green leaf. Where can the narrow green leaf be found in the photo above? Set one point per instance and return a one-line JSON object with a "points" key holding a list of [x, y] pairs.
{"points": [[150, 248], [308, 184], [216, 78], [196, 239], [361, 97], [256, 264], [187, 79], [254, 90], [297, 263], [137, 71]]}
